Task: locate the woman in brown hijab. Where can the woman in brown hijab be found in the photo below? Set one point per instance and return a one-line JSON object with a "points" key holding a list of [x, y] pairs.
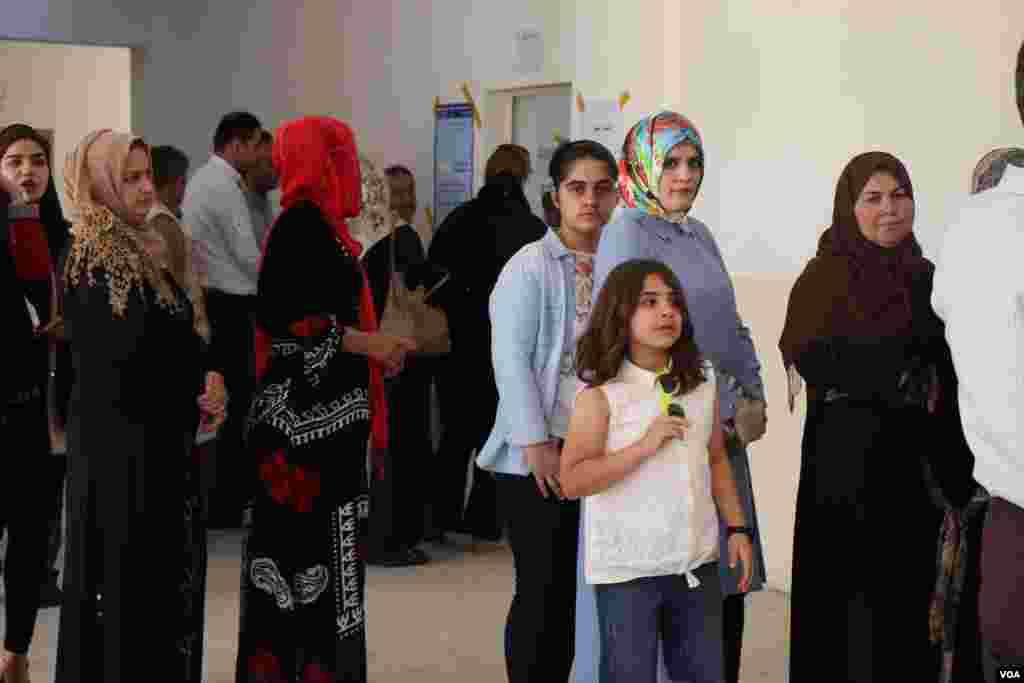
{"points": [[133, 572], [882, 441]]}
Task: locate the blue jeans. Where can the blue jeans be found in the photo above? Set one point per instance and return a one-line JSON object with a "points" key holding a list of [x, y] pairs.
{"points": [[633, 616]]}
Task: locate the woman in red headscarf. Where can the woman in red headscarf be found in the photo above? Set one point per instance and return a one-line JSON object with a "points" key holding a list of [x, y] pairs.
{"points": [[319, 401]]}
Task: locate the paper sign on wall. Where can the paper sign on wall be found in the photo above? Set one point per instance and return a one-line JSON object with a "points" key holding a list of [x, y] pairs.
{"points": [[529, 51], [454, 136], [603, 122]]}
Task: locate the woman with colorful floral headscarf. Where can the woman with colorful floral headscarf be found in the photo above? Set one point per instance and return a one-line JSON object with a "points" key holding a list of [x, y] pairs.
{"points": [[991, 167], [660, 173], [321, 363], [135, 547]]}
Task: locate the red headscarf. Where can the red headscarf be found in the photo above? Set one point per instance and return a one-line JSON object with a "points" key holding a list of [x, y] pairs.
{"points": [[316, 160]]}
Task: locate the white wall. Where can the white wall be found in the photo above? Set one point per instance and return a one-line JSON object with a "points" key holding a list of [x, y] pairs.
{"points": [[195, 60], [784, 92], [787, 92], [87, 88]]}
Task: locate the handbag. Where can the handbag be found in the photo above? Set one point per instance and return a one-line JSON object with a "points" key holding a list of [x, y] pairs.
{"points": [[407, 313]]}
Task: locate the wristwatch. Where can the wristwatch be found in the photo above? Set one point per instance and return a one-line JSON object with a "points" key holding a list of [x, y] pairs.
{"points": [[730, 530]]}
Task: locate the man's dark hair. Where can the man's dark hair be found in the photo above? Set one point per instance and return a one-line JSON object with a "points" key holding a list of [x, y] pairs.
{"points": [[548, 202], [1020, 82], [266, 138], [238, 125], [396, 170], [169, 164]]}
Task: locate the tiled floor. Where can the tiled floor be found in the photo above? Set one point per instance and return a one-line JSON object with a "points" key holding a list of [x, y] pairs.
{"points": [[437, 623]]}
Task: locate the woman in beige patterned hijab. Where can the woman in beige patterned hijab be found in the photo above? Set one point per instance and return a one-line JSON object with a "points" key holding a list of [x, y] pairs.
{"points": [[133, 420], [376, 220], [108, 186]]}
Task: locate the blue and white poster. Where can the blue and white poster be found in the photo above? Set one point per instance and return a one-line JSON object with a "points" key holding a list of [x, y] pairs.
{"points": [[453, 158]]}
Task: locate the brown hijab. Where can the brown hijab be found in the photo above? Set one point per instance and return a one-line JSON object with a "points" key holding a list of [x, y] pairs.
{"points": [[854, 287]]}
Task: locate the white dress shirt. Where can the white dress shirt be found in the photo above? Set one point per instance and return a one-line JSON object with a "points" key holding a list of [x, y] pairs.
{"points": [[216, 210], [979, 292]]}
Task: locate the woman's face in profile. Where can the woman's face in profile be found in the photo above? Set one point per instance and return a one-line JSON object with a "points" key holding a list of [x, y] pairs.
{"points": [[885, 210], [137, 184]]}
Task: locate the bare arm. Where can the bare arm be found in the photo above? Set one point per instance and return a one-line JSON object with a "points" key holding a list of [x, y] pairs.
{"points": [[386, 349], [587, 467], [723, 483]]}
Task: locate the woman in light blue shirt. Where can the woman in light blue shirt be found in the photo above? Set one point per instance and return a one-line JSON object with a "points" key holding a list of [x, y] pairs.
{"points": [[660, 174], [538, 309]]}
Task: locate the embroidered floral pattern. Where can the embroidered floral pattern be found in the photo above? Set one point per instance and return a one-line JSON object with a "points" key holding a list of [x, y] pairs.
{"points": [[584, 278], [265, 667], [317, 674], [290, 484], [375, 221], [103, 243]]}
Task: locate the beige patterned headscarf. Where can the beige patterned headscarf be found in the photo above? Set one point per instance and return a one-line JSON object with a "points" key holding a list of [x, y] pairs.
{"points": [[106, 235], [376, 220]]}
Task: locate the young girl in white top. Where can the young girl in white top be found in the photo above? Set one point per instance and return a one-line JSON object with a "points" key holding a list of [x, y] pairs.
{"points": [[646, 449]]}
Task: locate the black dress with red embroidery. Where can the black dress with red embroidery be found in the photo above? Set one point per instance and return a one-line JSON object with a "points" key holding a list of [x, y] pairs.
{"points": [[302, 573]]}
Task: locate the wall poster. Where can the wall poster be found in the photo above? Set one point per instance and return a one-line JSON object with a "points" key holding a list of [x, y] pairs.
{"points": [[454, 139]]}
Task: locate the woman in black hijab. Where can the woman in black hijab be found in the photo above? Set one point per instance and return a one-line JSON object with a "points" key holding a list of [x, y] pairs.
{"points": [[883, 451]]}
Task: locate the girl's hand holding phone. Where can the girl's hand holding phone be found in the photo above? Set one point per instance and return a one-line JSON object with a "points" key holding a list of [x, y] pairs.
{"points": [[663, 429]]}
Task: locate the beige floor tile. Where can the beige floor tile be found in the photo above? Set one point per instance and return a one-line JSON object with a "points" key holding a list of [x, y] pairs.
{"points": [[440, 623]]}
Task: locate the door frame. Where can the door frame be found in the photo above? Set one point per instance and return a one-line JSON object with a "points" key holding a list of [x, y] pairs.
{"points": [[498, 102]]}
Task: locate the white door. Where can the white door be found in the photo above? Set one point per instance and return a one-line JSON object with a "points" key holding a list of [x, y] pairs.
{"points": [[539, 117]]}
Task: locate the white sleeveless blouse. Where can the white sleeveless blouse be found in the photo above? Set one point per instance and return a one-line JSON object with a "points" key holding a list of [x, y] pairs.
{"points": [[661, 520]]}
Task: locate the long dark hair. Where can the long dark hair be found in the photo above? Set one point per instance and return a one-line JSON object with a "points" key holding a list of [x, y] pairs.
{"points": [[605, 345], [50, 213]]}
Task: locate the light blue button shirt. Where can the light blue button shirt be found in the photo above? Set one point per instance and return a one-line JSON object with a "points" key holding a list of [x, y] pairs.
{"points": [[532, 310]]}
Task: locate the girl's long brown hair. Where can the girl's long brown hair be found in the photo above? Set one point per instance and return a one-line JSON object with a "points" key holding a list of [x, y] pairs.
{"points": [[605, 344]]}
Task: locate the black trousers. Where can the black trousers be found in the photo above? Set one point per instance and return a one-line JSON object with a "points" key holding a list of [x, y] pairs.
{"points": [[398, 502], [232, 351], [25, 514], [469, 402], [58, 469], [733, 621], [541, 626]]}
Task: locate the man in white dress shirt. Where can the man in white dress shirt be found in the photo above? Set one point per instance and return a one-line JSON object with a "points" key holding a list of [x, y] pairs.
{"points": [[260, 181], [979, 292], [216, 210]]}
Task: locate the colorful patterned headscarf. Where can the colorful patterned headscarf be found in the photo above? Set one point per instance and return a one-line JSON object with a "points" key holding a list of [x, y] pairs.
{"points": [[990, 169], [647, 145]]}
